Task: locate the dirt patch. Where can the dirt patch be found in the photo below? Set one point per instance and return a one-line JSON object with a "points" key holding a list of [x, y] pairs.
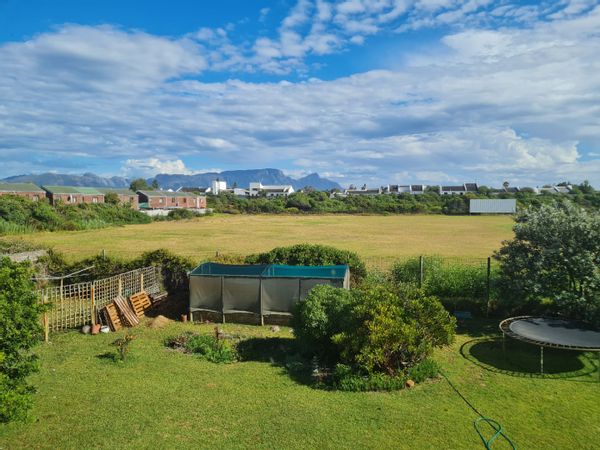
{"points": [[159, 322]]}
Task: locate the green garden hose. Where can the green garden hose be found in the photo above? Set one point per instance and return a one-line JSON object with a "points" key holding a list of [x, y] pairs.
{"points": [[498, 430]]}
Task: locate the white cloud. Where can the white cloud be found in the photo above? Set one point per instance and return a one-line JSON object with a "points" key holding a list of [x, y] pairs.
{"points": [[516, 103], [152, 166]]}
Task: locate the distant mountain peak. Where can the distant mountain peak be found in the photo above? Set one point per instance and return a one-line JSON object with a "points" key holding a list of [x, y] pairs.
{"points": [[174, 181]]}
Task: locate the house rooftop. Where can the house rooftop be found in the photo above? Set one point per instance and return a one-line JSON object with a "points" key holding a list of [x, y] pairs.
{"points": [[72, 190], [20, 187], [167, 194], [120, 191]]}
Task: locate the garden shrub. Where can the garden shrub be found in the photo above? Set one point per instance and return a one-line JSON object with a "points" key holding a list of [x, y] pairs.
{"points": [[210, 348], [319, 318], [20, 331], [374, 335], [312, 255], [346, 379]]}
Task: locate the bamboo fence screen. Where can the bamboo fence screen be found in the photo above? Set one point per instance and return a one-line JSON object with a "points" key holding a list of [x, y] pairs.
{"points": [[74, 305]]}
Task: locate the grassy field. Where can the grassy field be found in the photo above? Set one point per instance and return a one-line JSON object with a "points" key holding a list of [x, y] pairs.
{"points": [[165, 399], [377, 237]]}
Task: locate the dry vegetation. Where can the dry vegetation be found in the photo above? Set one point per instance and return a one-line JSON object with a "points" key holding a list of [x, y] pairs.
{"points": [[373, 237]]}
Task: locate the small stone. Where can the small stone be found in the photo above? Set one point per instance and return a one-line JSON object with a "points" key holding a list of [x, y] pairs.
{"points": [[275, 329], [86, 329], [410, 383]]}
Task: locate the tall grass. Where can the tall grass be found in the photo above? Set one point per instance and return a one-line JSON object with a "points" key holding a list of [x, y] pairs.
{"points": [[10, 228], [459, 283]]}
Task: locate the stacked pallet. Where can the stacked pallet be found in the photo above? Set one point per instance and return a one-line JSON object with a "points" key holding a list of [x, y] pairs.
{"points": [[126, 312]]}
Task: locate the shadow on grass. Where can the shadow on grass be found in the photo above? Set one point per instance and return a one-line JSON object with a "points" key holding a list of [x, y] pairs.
{"points": [[108, 356], [280, 352], [523, 360]]}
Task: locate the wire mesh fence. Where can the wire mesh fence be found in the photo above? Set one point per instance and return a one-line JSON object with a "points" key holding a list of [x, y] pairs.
{"points": [[461, 282], [71, 306]]}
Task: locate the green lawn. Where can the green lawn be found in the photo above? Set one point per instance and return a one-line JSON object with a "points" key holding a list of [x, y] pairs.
{"points": [[164, 399], [376, 238]]}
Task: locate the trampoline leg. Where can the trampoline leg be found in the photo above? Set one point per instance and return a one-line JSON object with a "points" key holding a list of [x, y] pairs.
{"points": [[542, 360]]}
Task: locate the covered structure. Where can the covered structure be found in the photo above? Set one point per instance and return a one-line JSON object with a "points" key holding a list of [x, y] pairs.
{"points": [[261, 290], [492, 206], [552, 332]]}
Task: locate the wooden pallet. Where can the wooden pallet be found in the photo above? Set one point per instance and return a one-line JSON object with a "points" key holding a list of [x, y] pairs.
{"points": [[128, 315], [112, 315], [140, 302]]}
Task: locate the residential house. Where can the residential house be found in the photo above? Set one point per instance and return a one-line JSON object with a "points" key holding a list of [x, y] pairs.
{"points": [[256, 189], [170, 200], [73, 194], [363, 191], [27, 190], [126, 196], [554, 189], [414, 189], [466, 188]]}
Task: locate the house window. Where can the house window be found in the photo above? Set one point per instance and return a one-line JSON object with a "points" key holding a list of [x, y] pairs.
{"points": [[185, 200], [94, 199], [71, 199], [35, 198], [160, 200]]}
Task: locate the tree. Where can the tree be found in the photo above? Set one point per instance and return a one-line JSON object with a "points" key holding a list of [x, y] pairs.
{"points": [[554, 258], [111, 198], [139, 184], [155, 184], [20, 330]]}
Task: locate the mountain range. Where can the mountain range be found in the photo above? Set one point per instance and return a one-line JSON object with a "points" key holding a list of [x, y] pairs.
{"points": [[174, 181]]}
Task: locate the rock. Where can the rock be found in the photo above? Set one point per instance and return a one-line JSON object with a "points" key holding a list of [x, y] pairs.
{"points": [[159, 322], [275, 329], [410, 383], [86, 329]]}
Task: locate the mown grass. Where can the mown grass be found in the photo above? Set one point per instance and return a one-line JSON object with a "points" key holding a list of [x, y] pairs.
{"points": [[383, 238], [165, 399]]}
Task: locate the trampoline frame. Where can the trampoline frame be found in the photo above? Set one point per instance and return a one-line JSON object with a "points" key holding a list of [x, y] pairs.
{"points": [[506, 331]]}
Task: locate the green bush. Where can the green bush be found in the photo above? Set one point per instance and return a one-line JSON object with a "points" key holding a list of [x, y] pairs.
{"points": [[210, 348], [174, 268], [375, 336], [21, 215], [346, 379], [319, 318], [312, 255], [20, 331], [181, 213], [553, 260]]}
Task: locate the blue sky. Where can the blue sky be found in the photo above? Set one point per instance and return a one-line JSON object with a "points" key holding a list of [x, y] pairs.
{"points": [[361, 91]]}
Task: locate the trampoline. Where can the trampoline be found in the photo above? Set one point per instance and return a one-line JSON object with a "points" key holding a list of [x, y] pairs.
{"points": [[552, 332]]}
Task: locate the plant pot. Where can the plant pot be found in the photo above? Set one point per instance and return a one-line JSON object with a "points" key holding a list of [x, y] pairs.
{"points": [[96, 328], [184, 317]]}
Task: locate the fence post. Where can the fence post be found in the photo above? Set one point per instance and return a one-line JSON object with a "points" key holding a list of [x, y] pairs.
{"points": [[421, 269], [141, 281], [120, 285], [46, 321], [488, 286], [93, 295], [260, 300]]}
